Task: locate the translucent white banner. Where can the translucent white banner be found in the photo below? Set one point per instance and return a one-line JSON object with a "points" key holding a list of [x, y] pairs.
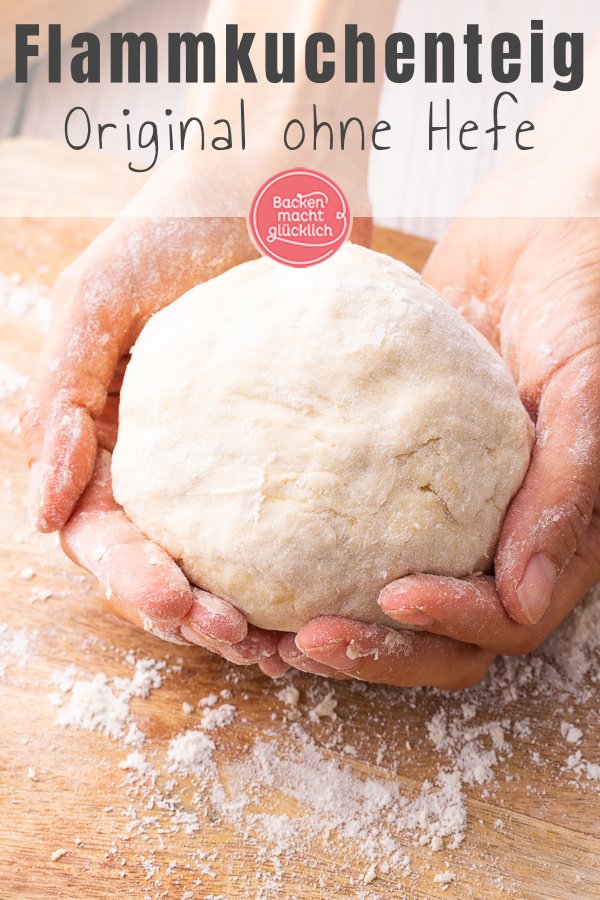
{"points": [[408, 107]]}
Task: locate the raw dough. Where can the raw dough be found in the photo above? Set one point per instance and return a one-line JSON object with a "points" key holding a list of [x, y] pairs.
{"points": [[298, 438]]}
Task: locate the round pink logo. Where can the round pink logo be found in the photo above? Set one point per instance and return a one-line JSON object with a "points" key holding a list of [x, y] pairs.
{"points": [[299, 218]]}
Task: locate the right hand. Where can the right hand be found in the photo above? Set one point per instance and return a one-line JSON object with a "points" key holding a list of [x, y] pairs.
{"points": [[531, 287]]}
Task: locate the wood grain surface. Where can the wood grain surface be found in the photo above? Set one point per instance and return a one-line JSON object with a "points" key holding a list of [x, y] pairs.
{"points": [[533, 824]]}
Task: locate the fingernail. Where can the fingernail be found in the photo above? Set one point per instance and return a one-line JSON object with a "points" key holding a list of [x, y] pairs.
{"points": [[337, 654], [202, 635], [414, 617], [274, 667], [536, 587], [194, 634], [225, 623], [33, 493]]}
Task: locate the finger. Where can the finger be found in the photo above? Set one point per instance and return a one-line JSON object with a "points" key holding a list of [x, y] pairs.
{"points": [[165, 630], [382, 655], [294, 657], [102, 540], [470, 609], [257, 646], [69, 385], [138, 572], [60, 440], [208, 619], [463, 609], [212, 617], [552, 511], [274, 666]]}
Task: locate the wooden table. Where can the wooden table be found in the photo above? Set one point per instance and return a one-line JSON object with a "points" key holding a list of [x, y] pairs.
{"points": [[533, 824]]}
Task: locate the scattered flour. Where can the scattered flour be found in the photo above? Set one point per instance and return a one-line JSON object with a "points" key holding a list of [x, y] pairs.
{"points": [[15, 646], [32, 298], [290, 695], [136, 762], [370, 875], [373, 812], [65, 678], [40, 594], [11, 382], [190, 751], [444, 878], [217, 717], [211, 700], [326, 708], [288, 792], [95, 705], [135, 737], [570, 733]]}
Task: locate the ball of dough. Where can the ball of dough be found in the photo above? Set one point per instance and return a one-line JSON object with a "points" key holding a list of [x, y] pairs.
{"points": [[298, 438]]}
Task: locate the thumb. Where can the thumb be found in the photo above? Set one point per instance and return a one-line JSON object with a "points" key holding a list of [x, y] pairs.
{"points": [[92, 313], [551, 513]]}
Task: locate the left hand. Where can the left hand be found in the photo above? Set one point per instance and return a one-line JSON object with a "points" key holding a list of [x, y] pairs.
{"points": [[142, 584], [532, 288]]}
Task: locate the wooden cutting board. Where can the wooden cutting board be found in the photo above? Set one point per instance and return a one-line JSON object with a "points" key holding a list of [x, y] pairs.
{"points": [[533, 827]]}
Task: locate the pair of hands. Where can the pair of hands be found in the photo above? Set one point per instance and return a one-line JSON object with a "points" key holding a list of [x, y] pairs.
{"points": [[530, 286]]}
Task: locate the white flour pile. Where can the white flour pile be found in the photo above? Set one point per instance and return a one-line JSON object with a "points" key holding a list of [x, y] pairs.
{"points": [[94, 705]]}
